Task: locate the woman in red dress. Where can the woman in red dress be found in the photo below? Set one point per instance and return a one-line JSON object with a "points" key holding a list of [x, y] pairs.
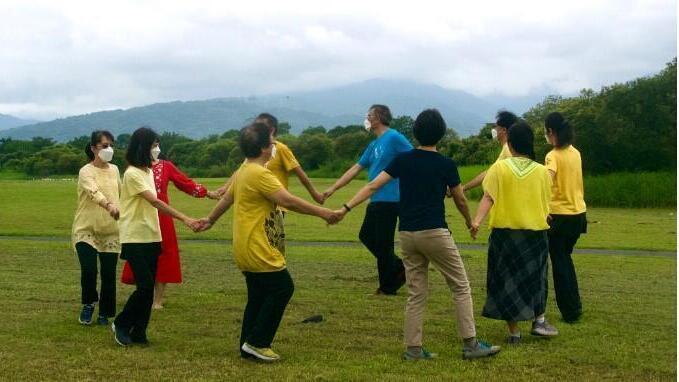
{"points": [[169, 266]]}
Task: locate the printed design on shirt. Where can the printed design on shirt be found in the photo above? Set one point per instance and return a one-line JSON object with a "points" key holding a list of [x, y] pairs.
{"points": [[273, 226], [157, 175], [378, 151], [521, 167]]}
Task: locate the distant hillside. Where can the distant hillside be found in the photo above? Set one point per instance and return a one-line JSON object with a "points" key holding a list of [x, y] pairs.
{"points": [[8, 122], [330, 107]]}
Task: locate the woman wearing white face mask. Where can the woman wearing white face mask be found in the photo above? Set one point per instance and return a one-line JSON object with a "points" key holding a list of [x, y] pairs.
{"points": [[95, 230], [169, 263]]}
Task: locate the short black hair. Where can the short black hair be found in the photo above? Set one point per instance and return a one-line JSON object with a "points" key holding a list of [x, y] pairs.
{"points": [[505, 119], [95, 139], [271, 121], [563, 130], [383, 113], [521, 138], [429, 127], [253, 139], [139, 148]]}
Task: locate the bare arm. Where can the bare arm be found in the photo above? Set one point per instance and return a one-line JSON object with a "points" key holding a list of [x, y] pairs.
{"points": [[461, 204], [317, 196], [343, 180], [369, 189], [289, 201], [484, 206], [165, 208], [474, 182]]}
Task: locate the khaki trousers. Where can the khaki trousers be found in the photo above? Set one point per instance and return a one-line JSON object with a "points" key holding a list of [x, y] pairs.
{"points": [[418, 249]]}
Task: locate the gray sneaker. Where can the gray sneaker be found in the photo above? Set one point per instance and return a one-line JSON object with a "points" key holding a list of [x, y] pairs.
{"points": [[544, 329], [482, 349]]}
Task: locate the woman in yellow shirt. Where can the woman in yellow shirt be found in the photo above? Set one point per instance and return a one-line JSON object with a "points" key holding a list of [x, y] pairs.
{"points": [[95, 230], [140, 235], [567, 211], [517, 192]]}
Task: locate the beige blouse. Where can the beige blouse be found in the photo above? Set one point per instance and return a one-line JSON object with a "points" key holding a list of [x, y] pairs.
{"points": [[92, 223]]}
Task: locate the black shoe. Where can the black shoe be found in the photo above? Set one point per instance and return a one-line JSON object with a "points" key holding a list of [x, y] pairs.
{"points": [[121, 335], [102, 320], [87, 314]]}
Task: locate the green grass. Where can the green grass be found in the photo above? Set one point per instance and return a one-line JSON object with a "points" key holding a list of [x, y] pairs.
{"points": [[640, 189], [46, 208], [627, 332]]}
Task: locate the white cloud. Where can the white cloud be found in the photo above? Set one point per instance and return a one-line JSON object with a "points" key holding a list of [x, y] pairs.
{"points": [[74, 57]]}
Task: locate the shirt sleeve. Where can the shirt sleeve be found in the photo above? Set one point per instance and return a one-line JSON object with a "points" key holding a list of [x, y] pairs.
{"points": [[491, 183], [183, 182], [452, 175], [287, 158], [394, 168], [87, 182], [550, 162], [135, 181], [267, 183], [402, 144], [365, 158]]}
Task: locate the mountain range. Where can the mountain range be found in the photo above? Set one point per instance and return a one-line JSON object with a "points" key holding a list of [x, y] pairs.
{"points": [[342, 105]]}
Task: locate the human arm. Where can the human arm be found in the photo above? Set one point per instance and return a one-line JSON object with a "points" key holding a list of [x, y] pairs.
{"points": [[484, 206], [364, 193], [343, 180], [461, 205], [285, 199], [225, 202], [183, 182], [87, 182], [167, 209], [304, 179], [474, 182]]}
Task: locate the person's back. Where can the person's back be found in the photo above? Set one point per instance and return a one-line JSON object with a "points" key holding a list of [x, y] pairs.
{"points": [[520, 188], [256, 227], [424, 179]]}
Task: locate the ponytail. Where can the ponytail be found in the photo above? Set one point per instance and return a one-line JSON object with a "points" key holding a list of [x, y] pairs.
{"points": [[561, 128]]}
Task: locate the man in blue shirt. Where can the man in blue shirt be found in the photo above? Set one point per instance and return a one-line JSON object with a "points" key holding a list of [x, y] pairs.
{"points": [[379, 224]]}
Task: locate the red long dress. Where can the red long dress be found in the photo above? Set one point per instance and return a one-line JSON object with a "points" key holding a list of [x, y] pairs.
{"points": [[169, 265]]}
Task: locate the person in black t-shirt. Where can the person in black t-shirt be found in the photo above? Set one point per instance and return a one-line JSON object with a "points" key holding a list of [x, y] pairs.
{"points": [[425, 177]]}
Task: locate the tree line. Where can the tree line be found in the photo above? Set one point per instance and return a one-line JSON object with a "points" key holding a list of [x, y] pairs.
{"points": [[623, 127]]}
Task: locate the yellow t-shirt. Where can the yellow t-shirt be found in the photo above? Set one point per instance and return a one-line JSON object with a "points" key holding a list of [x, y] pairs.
{"points": [[568, 195], [504, 154], [257, 224], [520, 189], [282, 163], [92, 224], [138, 218]]}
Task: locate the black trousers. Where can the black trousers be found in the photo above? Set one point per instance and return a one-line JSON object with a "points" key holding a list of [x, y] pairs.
{"points": [[143, 259], [87, 255], [564, 232], [377, 234], [268, 296]]}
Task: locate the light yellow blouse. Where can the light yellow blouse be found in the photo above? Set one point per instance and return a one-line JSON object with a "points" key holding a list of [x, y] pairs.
{"points": [[138, 218], [92, 223]]}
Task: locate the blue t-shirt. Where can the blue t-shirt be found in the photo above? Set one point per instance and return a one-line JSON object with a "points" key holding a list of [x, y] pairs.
{"points": [[377, 157], [425, 176]]}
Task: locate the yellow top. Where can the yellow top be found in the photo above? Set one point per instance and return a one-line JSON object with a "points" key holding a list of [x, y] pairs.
{"points": [[568, 195], [138, 218], [520, 189], [282, 163], [257, 224], [92, 223], [504, 154]]}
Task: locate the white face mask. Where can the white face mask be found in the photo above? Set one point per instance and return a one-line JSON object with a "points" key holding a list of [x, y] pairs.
{"points": [[273, 151], [106, 154], [367, 124], [493, 133], [155, 152]]}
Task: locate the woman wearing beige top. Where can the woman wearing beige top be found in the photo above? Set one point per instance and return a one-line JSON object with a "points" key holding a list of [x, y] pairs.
{"points": [[95, 230]]}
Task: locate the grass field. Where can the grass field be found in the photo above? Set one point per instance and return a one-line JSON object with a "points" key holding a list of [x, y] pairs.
{"points": [[46, 208], [627, 332]]}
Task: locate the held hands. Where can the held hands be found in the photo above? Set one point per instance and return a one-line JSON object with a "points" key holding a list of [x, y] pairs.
{"points": [[333, 217], [473, 229], [113, 211], [201, 225], [328, 193], [214, 195], [318, 197]]}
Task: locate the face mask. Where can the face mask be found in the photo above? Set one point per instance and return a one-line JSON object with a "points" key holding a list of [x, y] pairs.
{"points": [[367, 124], [106, 154], [493, 133], [273, 151], [155, 152]]}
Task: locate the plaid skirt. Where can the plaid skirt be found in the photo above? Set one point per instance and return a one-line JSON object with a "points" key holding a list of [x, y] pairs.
{"points": [[516, 281]]}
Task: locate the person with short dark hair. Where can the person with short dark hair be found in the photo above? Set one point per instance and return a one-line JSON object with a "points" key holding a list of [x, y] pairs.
{"points": [[140, 235], [503, 120], [517, 193], [568, 213], [425, 178], [379, 224], [95, 230], [258, 247]]}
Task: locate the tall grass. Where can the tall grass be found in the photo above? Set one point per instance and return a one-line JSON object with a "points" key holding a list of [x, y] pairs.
{"points": [[639, 189]]}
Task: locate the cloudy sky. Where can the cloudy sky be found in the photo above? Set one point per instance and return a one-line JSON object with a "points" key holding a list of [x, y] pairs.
{"points": [[77, 57]]}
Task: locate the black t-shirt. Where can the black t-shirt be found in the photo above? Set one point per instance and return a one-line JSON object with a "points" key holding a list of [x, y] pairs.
{"points": [[424, 177]]}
